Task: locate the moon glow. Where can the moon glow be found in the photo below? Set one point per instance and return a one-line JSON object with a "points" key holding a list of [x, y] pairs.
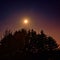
{"points": [[25, 21]]}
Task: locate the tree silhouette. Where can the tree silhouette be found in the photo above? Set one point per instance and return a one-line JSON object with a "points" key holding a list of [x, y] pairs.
{"points": [[52, 43], [27, 43]]}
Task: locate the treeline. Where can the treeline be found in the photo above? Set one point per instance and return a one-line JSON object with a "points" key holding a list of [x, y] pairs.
{"points": [[28, 45]]}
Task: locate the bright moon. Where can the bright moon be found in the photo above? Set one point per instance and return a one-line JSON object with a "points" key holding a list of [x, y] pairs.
{"points": [[25, 21]]}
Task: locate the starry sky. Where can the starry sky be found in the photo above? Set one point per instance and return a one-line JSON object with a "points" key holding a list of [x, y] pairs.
{"points": [[42, 14]]}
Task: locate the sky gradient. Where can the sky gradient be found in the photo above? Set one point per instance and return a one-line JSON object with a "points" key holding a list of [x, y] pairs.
{"points": [[43, 14]]}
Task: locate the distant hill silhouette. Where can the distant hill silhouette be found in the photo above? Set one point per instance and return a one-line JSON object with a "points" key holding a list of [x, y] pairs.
{"points": [[28, 45]]}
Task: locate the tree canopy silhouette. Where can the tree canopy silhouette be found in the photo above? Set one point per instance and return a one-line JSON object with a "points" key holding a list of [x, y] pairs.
{"points": [[26, 43]]}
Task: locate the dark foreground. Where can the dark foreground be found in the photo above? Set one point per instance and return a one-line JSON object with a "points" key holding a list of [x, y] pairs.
{"points": [[46, 55], [28, 45]]}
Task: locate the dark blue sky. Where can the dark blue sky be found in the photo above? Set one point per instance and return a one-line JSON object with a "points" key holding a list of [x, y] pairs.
{"points": [[48, 7], [45, 14]]}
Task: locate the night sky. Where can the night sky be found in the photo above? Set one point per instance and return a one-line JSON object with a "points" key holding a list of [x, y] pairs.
{"points": [[42, 14]]}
